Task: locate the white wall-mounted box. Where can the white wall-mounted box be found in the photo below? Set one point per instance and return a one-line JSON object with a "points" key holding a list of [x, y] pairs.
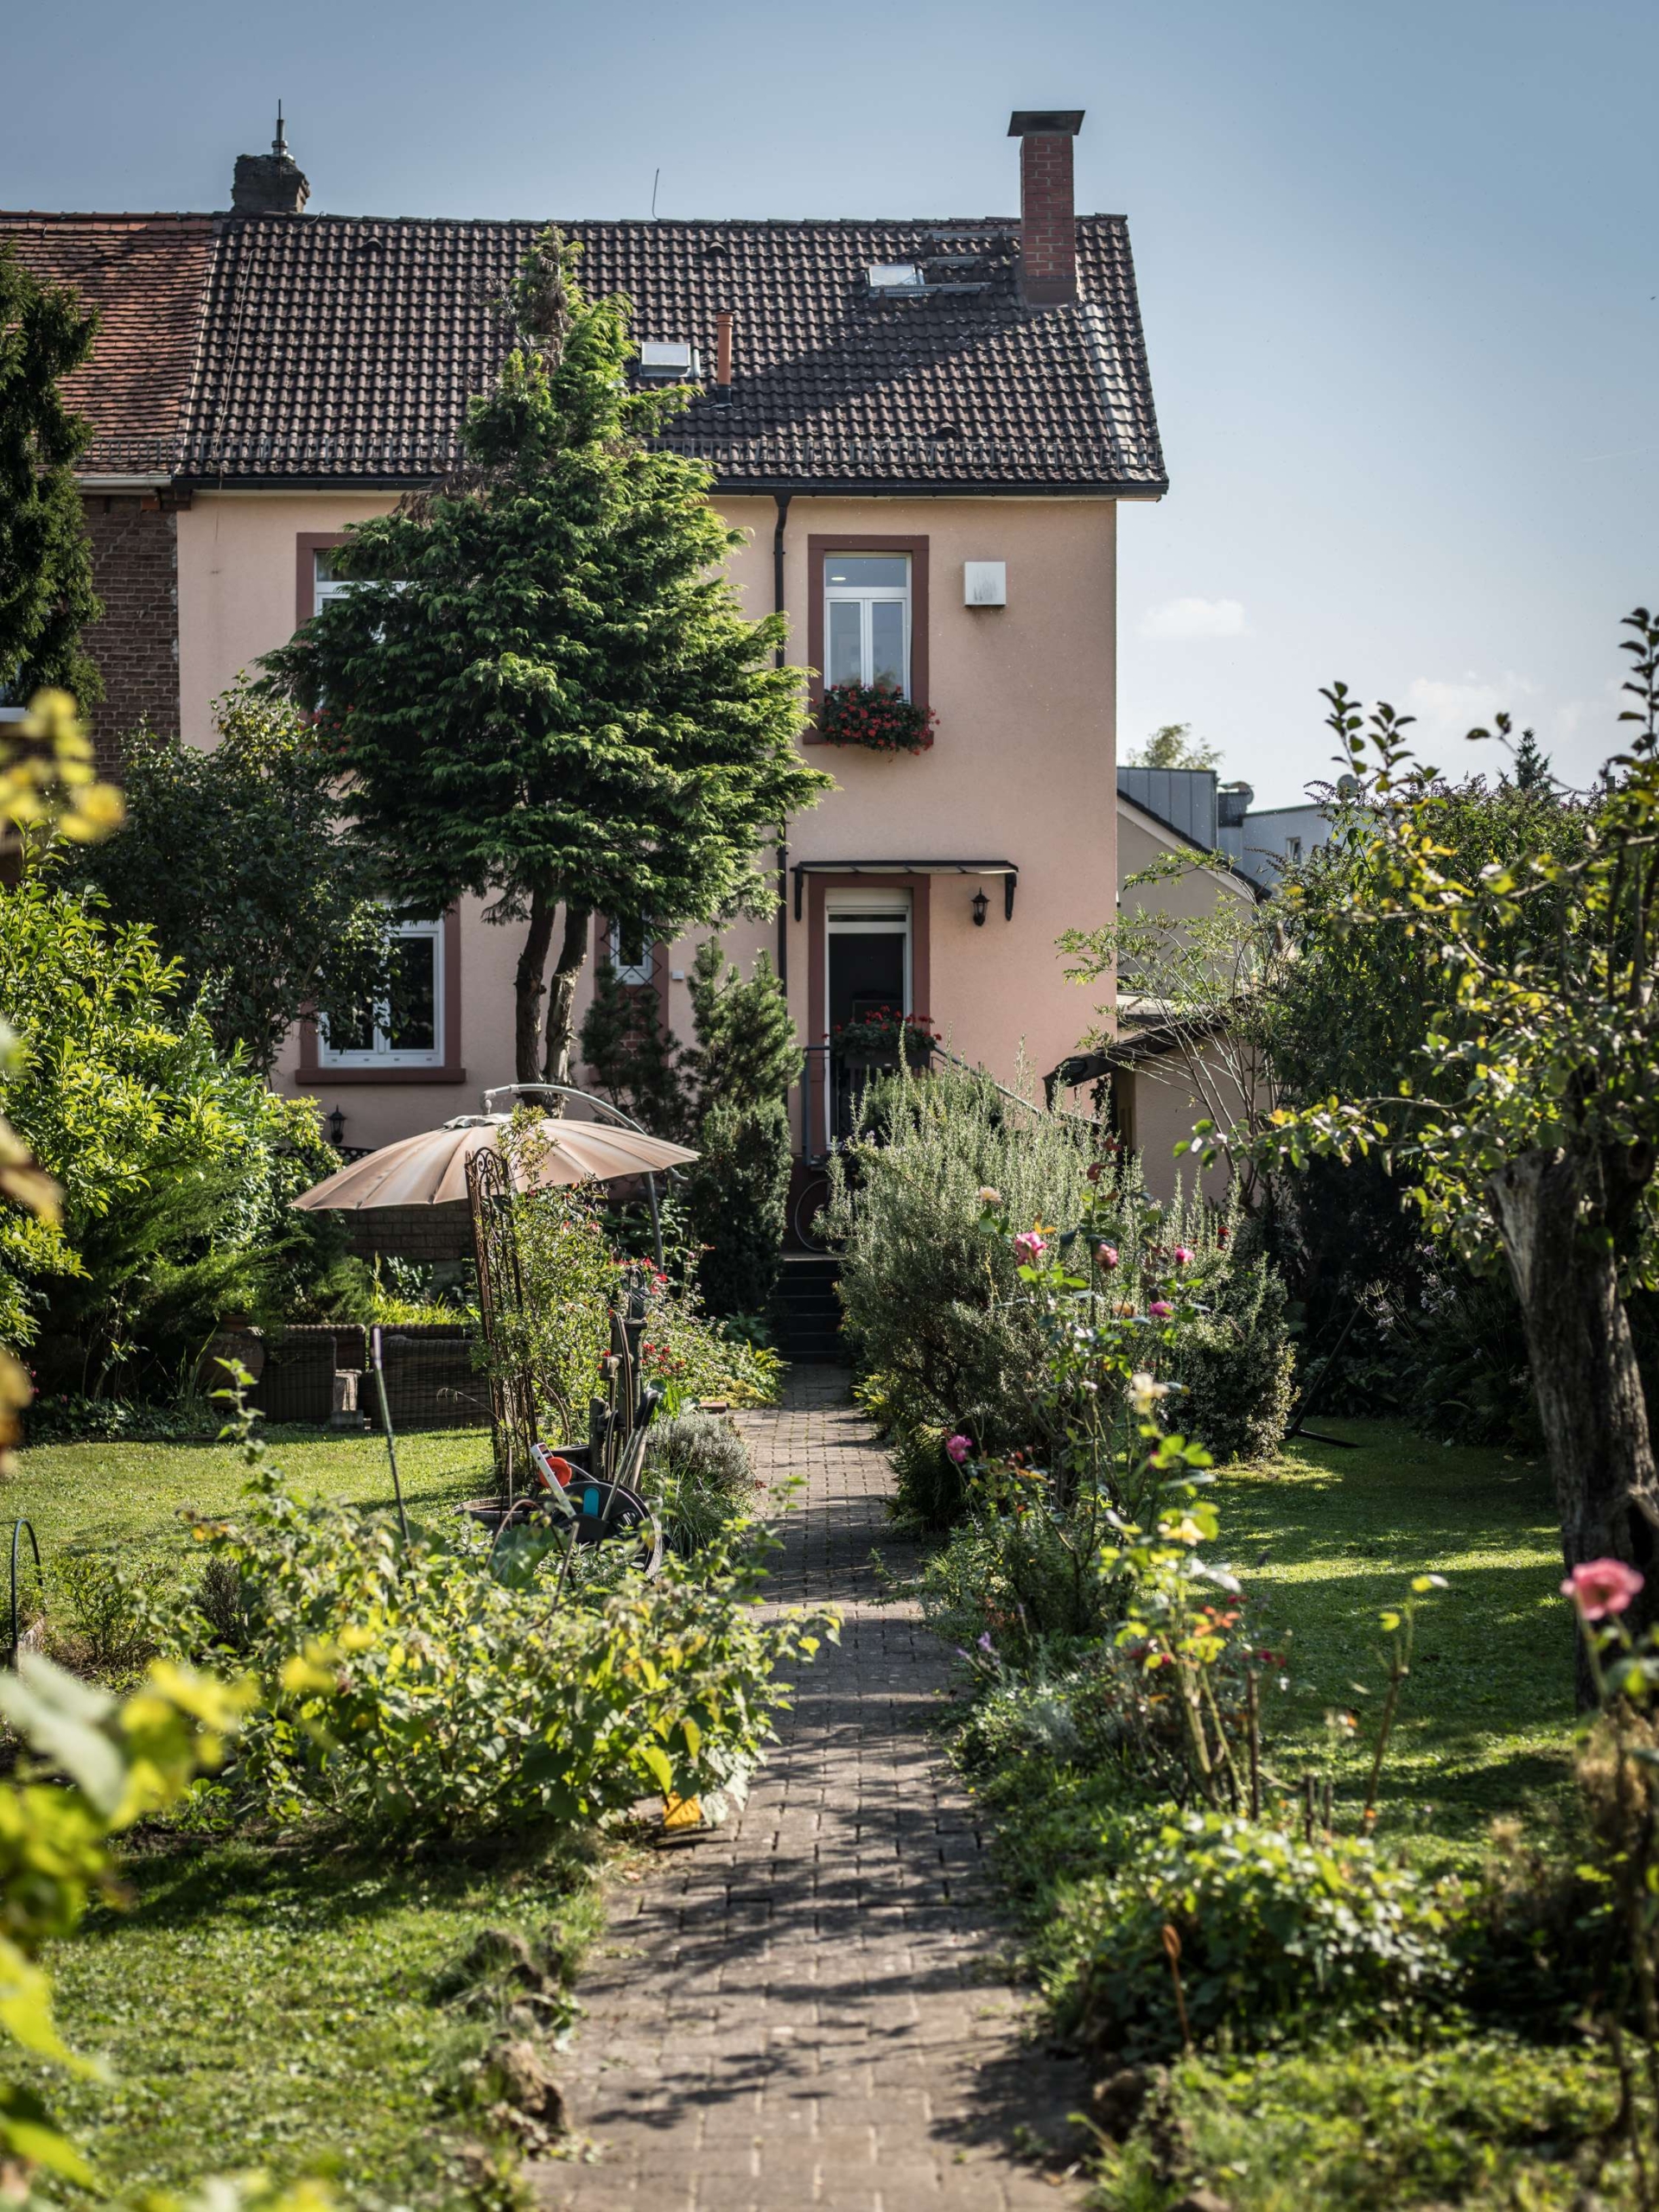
{"points": [[984, 583]]}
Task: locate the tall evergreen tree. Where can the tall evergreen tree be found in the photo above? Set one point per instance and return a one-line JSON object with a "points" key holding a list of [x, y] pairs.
{"points": [[544, 691], [46, 559]]}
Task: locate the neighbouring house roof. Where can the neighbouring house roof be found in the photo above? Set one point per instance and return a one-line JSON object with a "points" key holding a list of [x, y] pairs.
{"points": [[146, 276], [339, 349], [1219, 862]]}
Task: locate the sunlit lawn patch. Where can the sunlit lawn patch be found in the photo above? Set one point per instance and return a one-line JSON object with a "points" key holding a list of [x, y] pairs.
{"points": [[1326, 1538]]}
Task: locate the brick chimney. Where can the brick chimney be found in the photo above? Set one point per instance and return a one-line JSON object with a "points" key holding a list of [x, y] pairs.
{"points": [[1048, 229], [270, 184]]}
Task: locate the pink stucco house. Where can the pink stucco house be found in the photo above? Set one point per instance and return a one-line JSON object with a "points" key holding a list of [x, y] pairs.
{"points": [[923, 426]]}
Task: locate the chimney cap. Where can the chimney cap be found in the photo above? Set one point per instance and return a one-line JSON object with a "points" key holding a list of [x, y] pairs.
{"points": [[1045, 122]]}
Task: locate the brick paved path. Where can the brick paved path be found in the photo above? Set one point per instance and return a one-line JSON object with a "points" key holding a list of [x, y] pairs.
{"points": [[806, 2007]]}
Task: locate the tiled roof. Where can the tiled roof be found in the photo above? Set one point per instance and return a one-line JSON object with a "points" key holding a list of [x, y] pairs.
{"points": [[344, 349], [147, 276]]}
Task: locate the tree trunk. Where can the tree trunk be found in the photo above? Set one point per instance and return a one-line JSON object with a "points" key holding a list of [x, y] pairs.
{"points": [[561, 1002], [530, 987], [1552, 1209]]}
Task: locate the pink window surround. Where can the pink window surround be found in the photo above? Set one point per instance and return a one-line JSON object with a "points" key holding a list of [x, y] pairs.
{"points": [[310, 1076], [818, 547], [818, 1015], [307, 544]]}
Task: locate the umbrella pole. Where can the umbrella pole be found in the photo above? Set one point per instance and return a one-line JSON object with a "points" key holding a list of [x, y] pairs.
{"points": [[656, 1221], [385, 1419]]}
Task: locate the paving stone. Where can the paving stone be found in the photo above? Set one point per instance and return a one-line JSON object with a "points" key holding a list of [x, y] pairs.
{"points": [[808, 2008]]}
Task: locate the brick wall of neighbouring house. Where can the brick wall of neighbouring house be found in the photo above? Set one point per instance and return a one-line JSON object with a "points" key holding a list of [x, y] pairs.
{"points": [[412, 1233], [136, 570]]}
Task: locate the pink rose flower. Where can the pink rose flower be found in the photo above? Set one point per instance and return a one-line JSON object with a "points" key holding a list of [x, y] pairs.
{"points": [[1160, 1309], [1106, 1255], [1030, 1247], [1600, 1587], [1183, 1255], [958, 1447]]}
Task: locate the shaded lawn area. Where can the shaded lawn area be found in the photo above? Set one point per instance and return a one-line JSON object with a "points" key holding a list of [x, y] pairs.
{"points": [[1324, 1538], [126, 1497], [297, 2012], [261, 2004]]}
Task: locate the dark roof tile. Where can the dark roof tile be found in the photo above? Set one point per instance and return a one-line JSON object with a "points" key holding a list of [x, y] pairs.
{"points": [[345, 349]]}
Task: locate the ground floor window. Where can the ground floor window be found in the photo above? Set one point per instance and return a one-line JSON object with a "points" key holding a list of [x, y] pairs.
{"points": [[405, 1028]]}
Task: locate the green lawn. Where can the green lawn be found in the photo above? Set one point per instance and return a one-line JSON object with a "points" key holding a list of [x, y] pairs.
{"points": [[1487, 2114], [261, 2004], [290, 2011], [127, 1498], [1325, 1538]]}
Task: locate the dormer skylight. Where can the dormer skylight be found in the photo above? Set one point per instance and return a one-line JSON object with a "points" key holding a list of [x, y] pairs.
{"points": [[896, 277], [669, 360]]}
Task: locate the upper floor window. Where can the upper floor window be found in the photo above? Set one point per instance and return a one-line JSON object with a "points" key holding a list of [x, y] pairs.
{"points": [[867, 620], [405, 1029]]}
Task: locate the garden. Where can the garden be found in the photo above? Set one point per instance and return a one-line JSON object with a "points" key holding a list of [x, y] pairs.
{"points": [[1326, 1802]]}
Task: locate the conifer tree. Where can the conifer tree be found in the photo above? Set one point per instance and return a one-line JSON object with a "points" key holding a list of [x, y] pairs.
{"points": [[543, 691], [46, 559], [634, 1060], [748, 1050]]}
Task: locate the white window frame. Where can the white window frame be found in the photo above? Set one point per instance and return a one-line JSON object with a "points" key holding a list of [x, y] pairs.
{"points": [[325, 587], [380, 1054], [636, 974], [870, 913], [864, 597]]}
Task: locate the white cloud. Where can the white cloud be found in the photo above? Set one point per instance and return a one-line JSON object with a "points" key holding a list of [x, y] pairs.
{"points": [[1447, 710], [1178, 619]]}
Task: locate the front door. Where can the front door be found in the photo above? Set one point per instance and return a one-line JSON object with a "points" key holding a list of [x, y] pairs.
{"points": [[867, 945]]}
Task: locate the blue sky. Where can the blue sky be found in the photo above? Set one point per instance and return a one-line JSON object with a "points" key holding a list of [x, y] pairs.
{"points": [[1398, 267]]}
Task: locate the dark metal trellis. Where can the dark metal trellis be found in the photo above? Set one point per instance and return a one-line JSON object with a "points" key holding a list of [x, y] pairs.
{"points": [[500, 1304], [17, 1529]]}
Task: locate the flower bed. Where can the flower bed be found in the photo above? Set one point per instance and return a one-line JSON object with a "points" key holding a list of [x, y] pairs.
{"points": [[880, 1037]]}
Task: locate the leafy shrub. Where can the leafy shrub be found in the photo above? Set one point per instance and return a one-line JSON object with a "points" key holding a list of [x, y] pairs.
{"points": [[123, 1762], [1237, 1367], [697, 1357], [176, 1166], [947, 1340], [69, 1417], [699, 1475], [426, 1689], [1277, 1935], [100, 1616], [1490, 2123]]}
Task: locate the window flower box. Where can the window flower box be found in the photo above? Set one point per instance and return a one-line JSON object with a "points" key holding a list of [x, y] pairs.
{"points": [[876, 717]]}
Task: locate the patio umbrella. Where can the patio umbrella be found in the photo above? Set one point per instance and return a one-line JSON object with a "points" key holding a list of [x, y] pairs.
{"points": [[430, 1170]]}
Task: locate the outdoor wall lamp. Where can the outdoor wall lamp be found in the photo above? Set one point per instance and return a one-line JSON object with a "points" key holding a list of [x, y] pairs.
{"points": [[981, 902], [336, 1127]]}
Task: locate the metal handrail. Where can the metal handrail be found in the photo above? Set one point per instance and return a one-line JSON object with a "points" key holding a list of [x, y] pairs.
{"points": [[570, 1091], [813, 1054], [17, 1529]]}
